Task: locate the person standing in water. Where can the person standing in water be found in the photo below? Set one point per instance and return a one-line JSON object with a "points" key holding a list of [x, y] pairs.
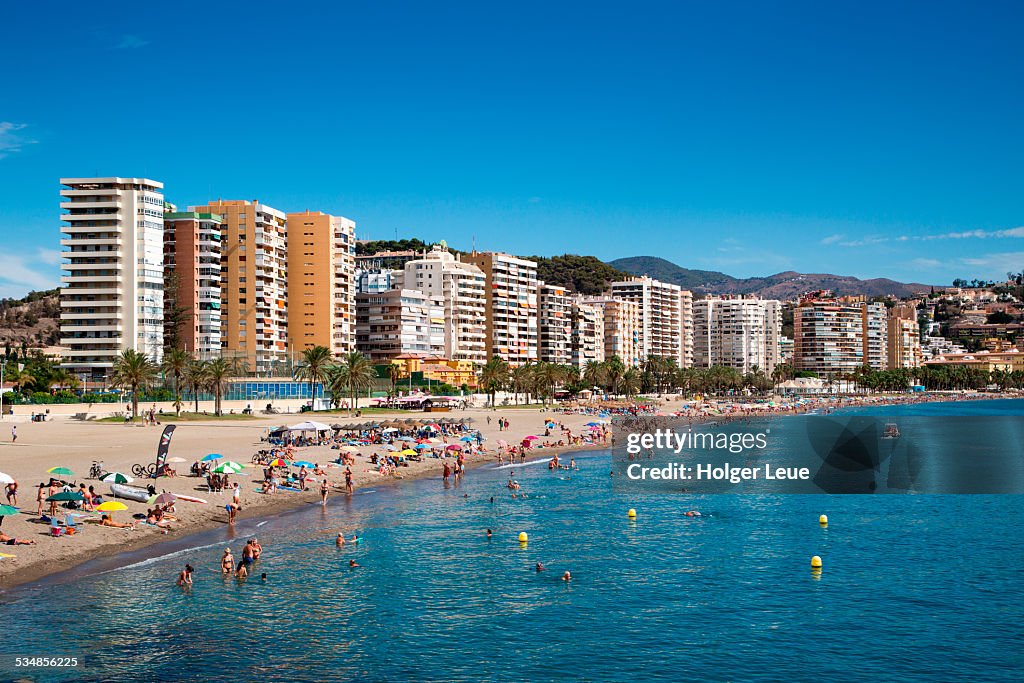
{"points": [[227, 563], [324, 488], [185, 577]]}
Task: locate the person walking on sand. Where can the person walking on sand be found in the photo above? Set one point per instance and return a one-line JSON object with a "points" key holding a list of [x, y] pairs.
{"points": [[40, 498], [14, 433], [236, 494], [12, 492], [324, 488]]}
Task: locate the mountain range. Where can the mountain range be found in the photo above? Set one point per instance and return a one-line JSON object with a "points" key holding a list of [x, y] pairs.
{"points": [[786, 285]]}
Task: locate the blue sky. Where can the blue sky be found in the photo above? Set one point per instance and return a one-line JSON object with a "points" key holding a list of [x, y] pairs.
{"points": [[867, 139]]}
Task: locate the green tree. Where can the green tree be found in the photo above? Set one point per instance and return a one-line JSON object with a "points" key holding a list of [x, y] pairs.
{"points": [[493, 376], [316, 363], [134, 370], [218, 371], [195, 378], [175, 365], [353, 374]]}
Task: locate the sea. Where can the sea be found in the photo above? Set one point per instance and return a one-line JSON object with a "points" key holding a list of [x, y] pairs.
{"points": [[913, 588]]}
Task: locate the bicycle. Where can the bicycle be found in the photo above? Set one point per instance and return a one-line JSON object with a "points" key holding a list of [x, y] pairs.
{"points": [[96, 471]]}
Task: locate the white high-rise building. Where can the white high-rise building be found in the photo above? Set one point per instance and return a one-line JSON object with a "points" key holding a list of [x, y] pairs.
{"points": [[399, 322], [587, 334], [511, 286], [664, 324], [112, 293], [737, 332], [461, 287]]}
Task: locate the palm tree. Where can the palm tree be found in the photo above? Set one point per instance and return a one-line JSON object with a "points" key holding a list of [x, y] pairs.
{"points": [[546, 377], [134, 370], [521, 379], [195, 378], [493, 376], [353, 374], [630, 382], [315, 364], [22, 379], [217, 374], [394, 374], [176, 364]]}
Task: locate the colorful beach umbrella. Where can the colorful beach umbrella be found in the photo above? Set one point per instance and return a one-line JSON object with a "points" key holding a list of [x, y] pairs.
{"points": [[116, 478], [212, 456], [162, 499], [408, 451], [112, 506], [64, 471], [224, 468], [454, 447], [303, 463], [176, 460], [467, 438], [279, 462], [65, 496], [531, 437]]}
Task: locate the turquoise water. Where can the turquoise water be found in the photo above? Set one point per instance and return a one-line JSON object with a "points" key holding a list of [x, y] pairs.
{"points": [[916, 588]]}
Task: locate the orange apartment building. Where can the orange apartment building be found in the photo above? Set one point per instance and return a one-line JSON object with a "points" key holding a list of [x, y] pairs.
{"points": [[254, 294], [321, 282]]}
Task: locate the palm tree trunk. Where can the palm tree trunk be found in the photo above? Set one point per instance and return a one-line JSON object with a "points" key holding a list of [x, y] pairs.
{"points": [[135, 401]]}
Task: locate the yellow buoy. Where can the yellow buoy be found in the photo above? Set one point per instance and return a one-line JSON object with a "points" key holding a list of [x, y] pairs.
{"points": [[523, 538], [823, 520], [815, 562], [631, 514]]}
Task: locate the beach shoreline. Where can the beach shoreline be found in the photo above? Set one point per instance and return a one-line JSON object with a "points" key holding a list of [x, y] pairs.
{"points": [[203, 519]]}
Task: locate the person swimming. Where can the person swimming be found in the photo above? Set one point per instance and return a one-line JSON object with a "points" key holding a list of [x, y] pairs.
{"points": [[693, 513], [539, 567], [567, 576], [489, 533], [352, 564]]}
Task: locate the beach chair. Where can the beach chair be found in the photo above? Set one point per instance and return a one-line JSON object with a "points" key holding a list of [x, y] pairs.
{"points": [[55, 528], [70, 527]]}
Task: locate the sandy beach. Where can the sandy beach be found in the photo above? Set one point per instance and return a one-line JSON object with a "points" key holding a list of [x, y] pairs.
{"points": [[66, 442], [73, 443]]}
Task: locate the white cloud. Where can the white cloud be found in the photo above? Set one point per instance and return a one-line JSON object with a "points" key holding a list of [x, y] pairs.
{"points": [[926, 263], [962, 235], [12, 139], [20, 274], [832, 239], [49, 256]]}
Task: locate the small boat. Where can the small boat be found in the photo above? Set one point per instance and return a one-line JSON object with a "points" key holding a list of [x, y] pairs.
{"points": [[129, 492], [891, 431]]}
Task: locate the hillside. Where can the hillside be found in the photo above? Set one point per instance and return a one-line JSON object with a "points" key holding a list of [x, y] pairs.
{"points": [[581, 274], [786, 285], [31, 320]]}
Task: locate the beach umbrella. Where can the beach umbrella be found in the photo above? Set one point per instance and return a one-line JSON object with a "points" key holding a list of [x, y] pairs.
{"points": [[467, 438], [116, 478], [407, 438], [61, 470], [6, 510], [389, 430], [531, 437], [422, 446], [279, 462], [502, 443], [111, 506], [303, 463], [407, 451], [592, 424], [175, 460], [66, 496], [212, 456], [6, 478], [309, 426], [162, 499], [228, 467], [454, 447]]}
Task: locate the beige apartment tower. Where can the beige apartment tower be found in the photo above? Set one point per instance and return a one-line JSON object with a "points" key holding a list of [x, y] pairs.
{"points": [[664, 325], [321, 282], [254, 290], [511, 288], [111, 292]]}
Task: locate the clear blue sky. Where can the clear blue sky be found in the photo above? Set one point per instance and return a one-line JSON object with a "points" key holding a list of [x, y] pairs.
{"points": [[868, 139]]}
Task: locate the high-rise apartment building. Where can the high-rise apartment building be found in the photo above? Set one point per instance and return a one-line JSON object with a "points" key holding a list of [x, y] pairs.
{"points": [[374, 280], [554, 320], [904, 349], [462, 289], [737, 332], [254, 290], [832, 337], [621, 320], [511, 287], [587, 334], [399, 322], [321, 282], [192, 282], [662, 325], [686, 322], [112, 293]]}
